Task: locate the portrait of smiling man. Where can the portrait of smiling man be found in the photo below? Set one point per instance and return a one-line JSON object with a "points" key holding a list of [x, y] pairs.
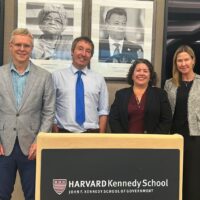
{"points": [[115, 47]]}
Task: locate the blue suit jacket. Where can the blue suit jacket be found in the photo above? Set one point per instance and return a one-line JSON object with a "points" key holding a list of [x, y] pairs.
{"points": [[130, 52]]}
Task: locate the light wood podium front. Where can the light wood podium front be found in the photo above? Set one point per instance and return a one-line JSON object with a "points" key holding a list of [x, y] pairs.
{"points": [[109, 166]]}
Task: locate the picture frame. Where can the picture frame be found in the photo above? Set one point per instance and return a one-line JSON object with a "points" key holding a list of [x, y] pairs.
{"points": [[1, 30], [57, 54], [138, 30]]}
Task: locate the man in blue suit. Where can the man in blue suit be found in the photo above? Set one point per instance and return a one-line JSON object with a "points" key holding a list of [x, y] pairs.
{"points": [[27, 103], [116, 48]]}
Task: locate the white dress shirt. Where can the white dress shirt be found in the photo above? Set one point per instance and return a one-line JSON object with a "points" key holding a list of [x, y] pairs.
{"points": [[96, 98]]}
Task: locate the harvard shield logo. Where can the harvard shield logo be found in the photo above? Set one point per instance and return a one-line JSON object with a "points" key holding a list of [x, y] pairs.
{"points": [[59, 185]]}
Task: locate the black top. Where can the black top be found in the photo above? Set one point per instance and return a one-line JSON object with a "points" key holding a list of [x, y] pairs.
{"points": [[180, 118]]}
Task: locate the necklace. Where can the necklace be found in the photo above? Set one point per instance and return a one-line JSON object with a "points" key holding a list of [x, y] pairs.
{"points": [[137, 100], [138, 94], [187, 83]]}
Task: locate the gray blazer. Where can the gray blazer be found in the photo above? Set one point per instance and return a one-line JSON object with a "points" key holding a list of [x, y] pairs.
{"points": [[35, 113], [193, 103]]}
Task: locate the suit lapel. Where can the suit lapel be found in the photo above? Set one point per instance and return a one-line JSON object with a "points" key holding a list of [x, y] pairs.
{"points": [[149, 100], [31, 79], [9, 84], [125, 105], [104, 49], [125, 47], [148, 97]]}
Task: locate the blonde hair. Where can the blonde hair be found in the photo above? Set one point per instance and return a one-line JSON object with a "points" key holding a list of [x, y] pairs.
{"points": [[176, 75], [21, 31]]}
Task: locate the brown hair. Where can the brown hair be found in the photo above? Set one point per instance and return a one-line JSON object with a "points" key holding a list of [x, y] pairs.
{"points": [[84, 38]]}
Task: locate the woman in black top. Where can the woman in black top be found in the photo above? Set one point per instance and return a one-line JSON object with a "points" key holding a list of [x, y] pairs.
{"points": [[184, 95]]}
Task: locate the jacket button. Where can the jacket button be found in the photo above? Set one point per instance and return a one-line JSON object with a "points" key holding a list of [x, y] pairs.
{"points": [[17, 114], [14, 129]]}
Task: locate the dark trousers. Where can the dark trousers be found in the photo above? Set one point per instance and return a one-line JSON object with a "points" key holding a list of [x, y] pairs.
{"points": [[191, 168], [8, 168]]}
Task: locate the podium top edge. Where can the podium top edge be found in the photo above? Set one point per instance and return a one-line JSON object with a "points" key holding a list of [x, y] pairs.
{"points": [[108, 135]]}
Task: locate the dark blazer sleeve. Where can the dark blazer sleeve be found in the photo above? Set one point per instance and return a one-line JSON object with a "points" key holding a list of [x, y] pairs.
{"points": [[114, 116], [159, 114], [118, 117], [165, 114]]}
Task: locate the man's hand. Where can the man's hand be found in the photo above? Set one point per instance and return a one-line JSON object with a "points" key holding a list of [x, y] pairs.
{"points": [[1, 150], [32, 152], [55, 128]]}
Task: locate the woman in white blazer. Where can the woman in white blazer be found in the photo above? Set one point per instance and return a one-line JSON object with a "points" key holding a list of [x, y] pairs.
{"points": [[184, 95]]}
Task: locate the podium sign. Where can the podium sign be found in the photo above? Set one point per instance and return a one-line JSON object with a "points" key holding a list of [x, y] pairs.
{"points": [[109, 166]]}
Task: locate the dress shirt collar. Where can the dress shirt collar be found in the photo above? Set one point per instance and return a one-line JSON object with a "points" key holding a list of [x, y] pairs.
{"points": [[12, 68], [74, 70], [112, 46]]}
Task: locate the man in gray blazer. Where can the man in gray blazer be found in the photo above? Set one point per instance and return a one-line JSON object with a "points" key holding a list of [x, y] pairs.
{"points": [[26, 108]]}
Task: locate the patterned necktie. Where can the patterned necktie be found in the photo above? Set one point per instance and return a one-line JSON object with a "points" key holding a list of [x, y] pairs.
{"points": [[80, 103], [116, 51]]}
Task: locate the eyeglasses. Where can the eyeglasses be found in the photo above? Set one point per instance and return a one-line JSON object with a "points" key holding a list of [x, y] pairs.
{"points": [[19, 45]]}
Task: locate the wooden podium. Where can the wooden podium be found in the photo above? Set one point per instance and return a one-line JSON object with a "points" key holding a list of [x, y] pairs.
{"points": [[109, 166]]}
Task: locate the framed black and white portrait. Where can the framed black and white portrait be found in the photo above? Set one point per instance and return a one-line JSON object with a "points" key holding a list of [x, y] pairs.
{"points": [[54, 24], [122, 33]]}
